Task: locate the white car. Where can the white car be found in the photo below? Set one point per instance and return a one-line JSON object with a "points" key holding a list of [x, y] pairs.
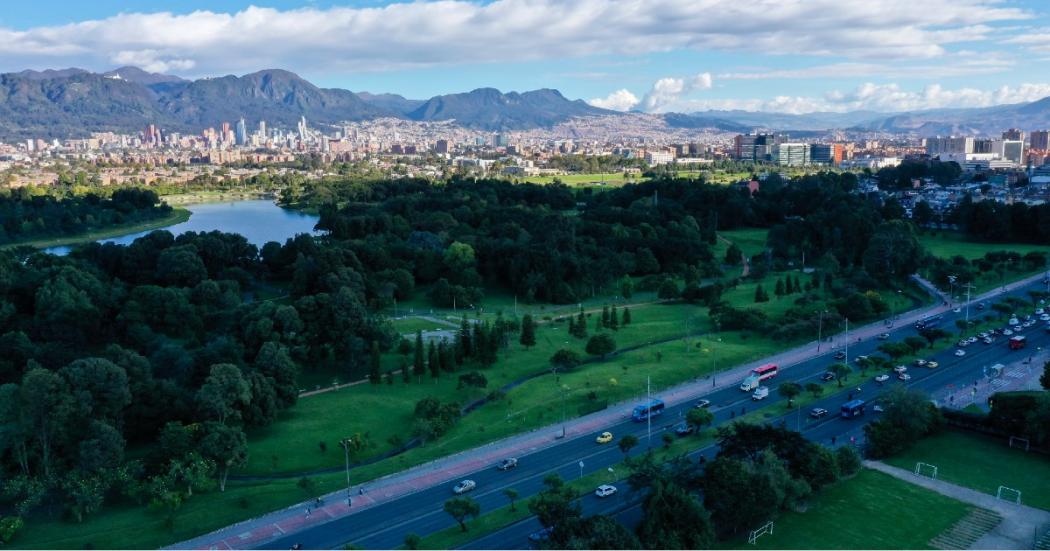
{"points": [[972, 340], [1013, 321], [464, 487], [963, 343], [987, 340], [605, 490], [960, 353], [904, 376], [877, 408], [920, 362], [1044, 317], [900, 369], [882, 378], [761, 393], [1007, 332], [1039, 311]]}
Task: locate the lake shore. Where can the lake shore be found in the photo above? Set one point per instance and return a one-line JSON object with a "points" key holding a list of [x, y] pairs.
{"points": [[178, 215]]}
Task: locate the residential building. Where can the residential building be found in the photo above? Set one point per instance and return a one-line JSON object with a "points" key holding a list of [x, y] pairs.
{"points": [[1013, 150], [1040, 139], [950, 145], [1014, 134], [653, 158]]}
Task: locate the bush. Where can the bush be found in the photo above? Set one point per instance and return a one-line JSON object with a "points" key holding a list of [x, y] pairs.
{"points": [[848, 461]]}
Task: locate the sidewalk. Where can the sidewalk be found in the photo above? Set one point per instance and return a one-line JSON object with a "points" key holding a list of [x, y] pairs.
{"points": [[259, 530], [1020, 522]]}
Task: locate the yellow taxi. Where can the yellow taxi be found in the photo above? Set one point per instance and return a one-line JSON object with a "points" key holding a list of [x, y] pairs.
{"points": [[604, 438]]}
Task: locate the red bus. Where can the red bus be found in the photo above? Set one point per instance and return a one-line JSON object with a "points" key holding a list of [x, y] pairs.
{"points": [[764, 372], [1017, 343]]}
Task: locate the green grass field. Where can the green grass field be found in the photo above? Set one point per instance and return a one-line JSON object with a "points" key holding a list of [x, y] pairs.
{"points": [[983, 464], [869, 511], [176, 216], [950, 244], [750, 240], [608, 178]]}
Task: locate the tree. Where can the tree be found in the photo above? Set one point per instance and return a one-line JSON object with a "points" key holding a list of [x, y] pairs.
{"points": [[46, 410], [512, 495], [626, 316], [627, 442], [556, 503], [224, 393], [699, 418], [614, 321], [816, 389], [760, 294], [673, 519], [908, 416], [933, 334], [413, 541], [1003, 309], [601, 345], [668, 290], [374, 369], [472, 379], [528, 331], [1044, 379], [433, 362], [226, 446], [789, 390], [893, 252], [9, 526], [734, 256], [418, 367], [915, 343], [581, 326], [779, 289], [894, 350], [848, 460], [461, 508], [564, 359], [841, 371]]}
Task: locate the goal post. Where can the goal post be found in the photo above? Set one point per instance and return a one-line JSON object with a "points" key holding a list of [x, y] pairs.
{"points": [[766, 528], [1006, 493], [1018, 442], [926, 469]]}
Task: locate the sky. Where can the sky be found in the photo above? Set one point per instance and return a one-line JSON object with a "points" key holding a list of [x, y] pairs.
{"points": [[790, 56]]}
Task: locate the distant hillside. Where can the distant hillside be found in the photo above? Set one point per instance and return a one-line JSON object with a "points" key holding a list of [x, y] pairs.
{"points": [[808, 121], [490, 109], [988, 121], [74, 102]]}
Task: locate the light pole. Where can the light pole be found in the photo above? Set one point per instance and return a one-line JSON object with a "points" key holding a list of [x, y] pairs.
{"points": [[951, 290], [847, 341], [820, 326], [346, 452]]}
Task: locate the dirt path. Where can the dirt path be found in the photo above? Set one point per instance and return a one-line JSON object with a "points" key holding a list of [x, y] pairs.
{"points": [[747, 263], [1020, 522]]}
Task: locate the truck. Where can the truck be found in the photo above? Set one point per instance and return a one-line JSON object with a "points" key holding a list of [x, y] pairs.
{"points": [[761, 393], [751, 383], [852, 408], [1017, 342]]}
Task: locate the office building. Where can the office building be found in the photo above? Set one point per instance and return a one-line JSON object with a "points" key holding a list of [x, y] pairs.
{"points": [[790, 154], [1014, 134], [1040, 139], [1013, 151], [441, 147], [242, 132], [744, 147], [653, 158], [826, 154], [949, 145]]}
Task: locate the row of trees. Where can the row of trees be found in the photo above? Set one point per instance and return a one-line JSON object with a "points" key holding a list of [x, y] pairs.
{"points": [[25, 215]]}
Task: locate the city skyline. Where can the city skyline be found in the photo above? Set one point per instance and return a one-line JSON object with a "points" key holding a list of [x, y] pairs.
{"points": [[655, 57]]}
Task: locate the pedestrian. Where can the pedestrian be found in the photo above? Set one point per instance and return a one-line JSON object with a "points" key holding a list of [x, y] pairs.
{"points": [[307, 511], [361, 491]]}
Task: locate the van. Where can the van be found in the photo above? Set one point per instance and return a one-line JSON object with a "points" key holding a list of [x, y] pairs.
{"points": [[750, 383], [761, 393]]}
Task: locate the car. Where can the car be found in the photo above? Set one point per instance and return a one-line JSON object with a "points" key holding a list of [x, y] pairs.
{"points": [[604, 438], [1007, 332], [1013, 321], [960, 353], [464, 486], [840, 355], [1039, 311], [541, 535], [983, 334], [877, 408], [860, 359], [956, 310], [972, 340], [963, 343], [1028, 324], [701, 404], [980, 306], [904, 376], [507, 464], [920, 362], [1044, 317], [817, 413], [684, 429], [883, 336], [932, 364], [827, 376], [761, 393], [900, 369], [987, 340], [605, 490], [882, 378]]}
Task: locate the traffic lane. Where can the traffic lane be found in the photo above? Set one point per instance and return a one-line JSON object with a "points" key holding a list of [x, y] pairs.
{"points": [[725, 402]]}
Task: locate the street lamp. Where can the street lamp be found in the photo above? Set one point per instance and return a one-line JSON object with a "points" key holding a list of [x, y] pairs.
{"points": [[345, 443]]}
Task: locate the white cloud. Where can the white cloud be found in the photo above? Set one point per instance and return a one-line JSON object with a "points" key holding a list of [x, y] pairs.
{"points": [[446, 32], [667, 91], [620, 100], [152, 61], [876, 97]]}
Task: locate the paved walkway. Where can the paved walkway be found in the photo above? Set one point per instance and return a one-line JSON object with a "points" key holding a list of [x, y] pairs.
{"points": [[1020, 522], [453, 467]]}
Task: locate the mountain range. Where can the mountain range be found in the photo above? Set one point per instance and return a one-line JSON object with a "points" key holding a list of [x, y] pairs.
{"points": [[73, 102]]}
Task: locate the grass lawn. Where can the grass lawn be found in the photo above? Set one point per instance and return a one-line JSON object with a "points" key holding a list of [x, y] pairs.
{"points": [[750, 240], [609, 178], [982, 463], [176, 216], [947, 244], [409, 325], [870, 511]]}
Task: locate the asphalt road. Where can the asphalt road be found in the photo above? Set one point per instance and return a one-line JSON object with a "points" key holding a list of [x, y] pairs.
{"points": [[385, 526]]}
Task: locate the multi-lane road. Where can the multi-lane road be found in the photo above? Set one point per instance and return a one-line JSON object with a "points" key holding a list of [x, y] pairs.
{"points": [[386, 524]]}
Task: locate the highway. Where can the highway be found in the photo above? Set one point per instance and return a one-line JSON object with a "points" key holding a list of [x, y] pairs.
{"points": [[385, 525]]}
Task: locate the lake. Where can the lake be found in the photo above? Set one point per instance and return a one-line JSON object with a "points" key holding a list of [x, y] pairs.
{"points": [[258, 220]]}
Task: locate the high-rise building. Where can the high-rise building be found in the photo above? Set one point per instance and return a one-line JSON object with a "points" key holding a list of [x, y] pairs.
{"points": [[501, 140], [949, 145], [1040, 139], [302, 128], [790, 154], [242, 132], [1013, 150], [826, 154], [1014, 134], [262, 129], [441, 146]]}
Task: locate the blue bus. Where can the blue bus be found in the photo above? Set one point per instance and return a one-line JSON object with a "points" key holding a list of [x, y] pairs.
{"points": [[852, 408], [646, 411]]}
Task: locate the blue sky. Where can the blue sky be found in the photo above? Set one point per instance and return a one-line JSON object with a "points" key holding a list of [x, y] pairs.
{"points": [[656, 55]]}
